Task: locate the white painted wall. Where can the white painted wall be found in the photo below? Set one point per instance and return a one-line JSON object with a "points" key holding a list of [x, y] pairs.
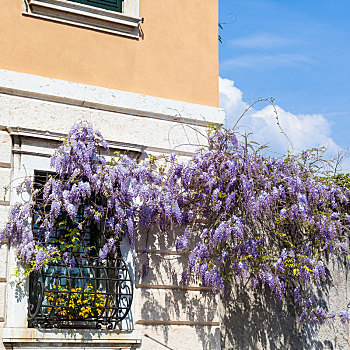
{"points": [[38, 111]]}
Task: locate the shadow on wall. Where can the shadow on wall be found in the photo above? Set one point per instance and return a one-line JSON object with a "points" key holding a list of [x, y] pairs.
{"points": [[172, 304], [255, 320], [251, 319], [177, 304]]}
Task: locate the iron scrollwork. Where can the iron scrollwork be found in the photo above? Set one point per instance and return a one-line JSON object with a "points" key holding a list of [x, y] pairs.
{"points": [[92, 294]]}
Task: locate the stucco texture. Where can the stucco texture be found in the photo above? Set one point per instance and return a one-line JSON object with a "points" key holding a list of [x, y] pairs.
{"points": [[176, 57]]}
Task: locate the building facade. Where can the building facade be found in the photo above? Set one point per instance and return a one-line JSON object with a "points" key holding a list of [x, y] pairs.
{"points": [[146, 75]]}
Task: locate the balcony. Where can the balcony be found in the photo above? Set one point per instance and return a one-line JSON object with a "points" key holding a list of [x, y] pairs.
{"points": [[93, 294]]}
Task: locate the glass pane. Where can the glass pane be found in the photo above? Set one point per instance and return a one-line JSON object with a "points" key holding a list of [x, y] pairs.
{"points": [[112, 5]]}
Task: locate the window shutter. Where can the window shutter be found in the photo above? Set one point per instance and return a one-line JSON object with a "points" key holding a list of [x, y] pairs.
{"points": [[112, 5]]}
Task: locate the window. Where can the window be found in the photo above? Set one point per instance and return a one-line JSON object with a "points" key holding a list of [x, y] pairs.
{"points": [[83, 291], [113, 5], [112, 16]]}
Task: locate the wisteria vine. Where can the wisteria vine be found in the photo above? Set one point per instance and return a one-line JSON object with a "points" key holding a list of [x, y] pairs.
{"points": [[268, 220]]}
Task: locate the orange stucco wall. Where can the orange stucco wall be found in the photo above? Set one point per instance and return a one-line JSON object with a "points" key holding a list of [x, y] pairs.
{"points": [[176, 59]]}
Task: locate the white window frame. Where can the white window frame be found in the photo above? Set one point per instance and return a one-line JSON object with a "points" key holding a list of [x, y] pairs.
{"points": [[124, 23]]}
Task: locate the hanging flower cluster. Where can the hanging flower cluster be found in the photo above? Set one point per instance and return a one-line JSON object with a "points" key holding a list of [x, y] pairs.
{"points": [[267, 220], [82, 180]]}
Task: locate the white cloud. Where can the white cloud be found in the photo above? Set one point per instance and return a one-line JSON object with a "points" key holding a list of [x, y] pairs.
{"points": [[261, 40], [231, 98], [257, 61], [303, 130]]}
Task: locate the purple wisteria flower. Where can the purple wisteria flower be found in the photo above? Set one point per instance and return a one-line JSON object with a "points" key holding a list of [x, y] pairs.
{"points": [[236, 212]]}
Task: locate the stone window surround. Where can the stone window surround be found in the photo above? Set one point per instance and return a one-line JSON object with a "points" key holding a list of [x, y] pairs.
{"points": [[64, 11], [32, 151]]}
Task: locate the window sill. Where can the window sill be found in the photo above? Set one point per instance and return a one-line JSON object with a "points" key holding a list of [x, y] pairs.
{"points": [[83, 16], [25, 338]]}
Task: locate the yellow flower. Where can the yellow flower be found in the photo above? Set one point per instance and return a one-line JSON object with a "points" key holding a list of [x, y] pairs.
{"points": [[80, 302]]}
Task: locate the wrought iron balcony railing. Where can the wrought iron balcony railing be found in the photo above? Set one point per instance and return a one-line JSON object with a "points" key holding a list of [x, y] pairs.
{"points": [[92, 294]]}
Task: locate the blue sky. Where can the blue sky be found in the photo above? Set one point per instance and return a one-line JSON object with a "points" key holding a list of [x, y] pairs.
{"points": [[297, 51]]}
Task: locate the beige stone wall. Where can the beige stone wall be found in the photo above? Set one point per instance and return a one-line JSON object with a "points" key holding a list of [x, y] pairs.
{"points": [[165, 313], [176, 57]]}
